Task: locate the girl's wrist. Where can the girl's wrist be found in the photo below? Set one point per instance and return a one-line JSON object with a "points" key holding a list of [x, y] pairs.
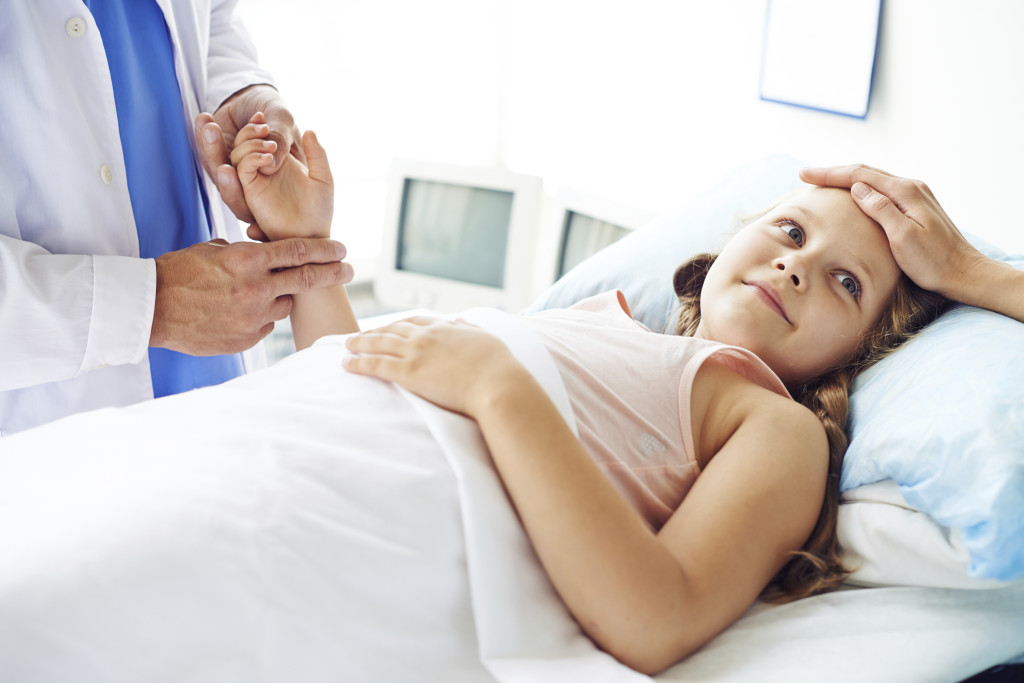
{"points": [[317, 235], [509, 386]]}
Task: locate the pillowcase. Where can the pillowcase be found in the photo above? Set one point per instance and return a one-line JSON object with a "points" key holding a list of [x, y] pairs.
{"points": [[943, 417], [889, 543]]}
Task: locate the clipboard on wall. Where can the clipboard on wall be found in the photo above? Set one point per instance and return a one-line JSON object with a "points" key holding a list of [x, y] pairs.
{"points": [[820, 54]]}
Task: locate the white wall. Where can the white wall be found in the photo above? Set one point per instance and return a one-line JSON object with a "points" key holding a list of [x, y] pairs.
{"points": [[646, 102]]}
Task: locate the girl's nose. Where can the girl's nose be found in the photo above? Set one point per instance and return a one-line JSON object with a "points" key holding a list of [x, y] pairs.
{"points": [[793, 276]]}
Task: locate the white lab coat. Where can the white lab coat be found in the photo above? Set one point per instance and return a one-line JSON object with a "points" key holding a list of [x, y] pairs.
{"points": [[76, 302]]}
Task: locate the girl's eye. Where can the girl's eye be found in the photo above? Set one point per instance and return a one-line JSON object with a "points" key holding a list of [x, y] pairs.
{"points": [[850, 283], [795, 232]]}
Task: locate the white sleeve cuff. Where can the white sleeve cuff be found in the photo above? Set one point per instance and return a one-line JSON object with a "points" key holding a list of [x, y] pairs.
{"points": [[124, 296]]}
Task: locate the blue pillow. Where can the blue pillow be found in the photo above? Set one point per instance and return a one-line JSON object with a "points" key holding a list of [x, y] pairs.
{"points": [[943, 417]]}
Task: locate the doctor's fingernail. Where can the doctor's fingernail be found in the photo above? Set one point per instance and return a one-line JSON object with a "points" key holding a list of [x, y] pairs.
{"points": [[223, 178], [210, 134], [860, 190]]}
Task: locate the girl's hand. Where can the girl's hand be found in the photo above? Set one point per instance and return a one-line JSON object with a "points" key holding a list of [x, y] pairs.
{"points": [[925, 242], [455, 365], [215, 136], [294, 201]]}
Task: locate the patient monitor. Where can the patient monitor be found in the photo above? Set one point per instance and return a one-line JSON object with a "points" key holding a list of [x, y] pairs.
{"points": [[584, 224], [457, 237]]}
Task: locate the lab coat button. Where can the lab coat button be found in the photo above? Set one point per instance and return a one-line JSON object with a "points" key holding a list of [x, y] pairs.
{"points": [[75, 27], [106, 174]]}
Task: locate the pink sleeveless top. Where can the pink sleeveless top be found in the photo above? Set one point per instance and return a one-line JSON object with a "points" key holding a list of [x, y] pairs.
{"points": [[630, 392]]}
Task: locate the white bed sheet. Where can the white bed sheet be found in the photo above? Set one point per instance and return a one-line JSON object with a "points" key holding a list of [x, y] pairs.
{"points": [[217, 537], [256, 531]]}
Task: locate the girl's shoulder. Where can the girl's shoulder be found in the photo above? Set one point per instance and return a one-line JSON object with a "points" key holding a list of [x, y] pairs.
{"points": [[728, 392]]}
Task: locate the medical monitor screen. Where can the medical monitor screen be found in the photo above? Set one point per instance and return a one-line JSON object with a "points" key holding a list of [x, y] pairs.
{"points": [[457, 232], [583, 236]]}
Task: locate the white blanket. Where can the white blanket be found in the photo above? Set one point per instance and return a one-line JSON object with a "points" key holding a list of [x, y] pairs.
{"points": [[305, 524]]}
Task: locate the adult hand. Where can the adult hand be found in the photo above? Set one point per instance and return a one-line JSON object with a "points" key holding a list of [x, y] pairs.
{"points": [[215, 298], [215, 137], [925, 242], [455, 365]]}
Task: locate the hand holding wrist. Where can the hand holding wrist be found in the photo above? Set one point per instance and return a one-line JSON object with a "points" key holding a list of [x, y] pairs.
{"points": [[215, 298]]}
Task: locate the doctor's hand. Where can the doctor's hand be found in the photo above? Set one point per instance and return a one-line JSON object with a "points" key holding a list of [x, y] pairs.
{"points": [[216, 298], [215, 137], [924, 241], [454, 365]]}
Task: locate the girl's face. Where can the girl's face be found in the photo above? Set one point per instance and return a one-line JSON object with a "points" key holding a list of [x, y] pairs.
{"points": [[800, 285]]}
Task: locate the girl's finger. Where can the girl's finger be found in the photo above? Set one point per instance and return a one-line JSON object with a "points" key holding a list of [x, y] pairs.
{"points": [[421, 320], [376, 342], [406, 327], [316, 157], [249, 167], [255, 146], [382, 367], [249, 132]]}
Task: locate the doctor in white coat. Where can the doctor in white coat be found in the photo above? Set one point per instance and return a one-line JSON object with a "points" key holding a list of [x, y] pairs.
{"points": [[110, 289]]}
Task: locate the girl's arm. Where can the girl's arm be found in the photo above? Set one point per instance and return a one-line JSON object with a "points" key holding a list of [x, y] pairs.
{"points": [[320, 312], [648, 599], [296, 201]]}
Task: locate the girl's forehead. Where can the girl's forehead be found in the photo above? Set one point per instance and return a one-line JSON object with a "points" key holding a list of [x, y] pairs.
{"points": [[827, 204], [835, 216], [833, 212]]}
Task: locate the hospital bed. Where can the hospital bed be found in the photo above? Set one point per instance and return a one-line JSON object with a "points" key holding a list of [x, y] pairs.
{"points": [[215, 537]]}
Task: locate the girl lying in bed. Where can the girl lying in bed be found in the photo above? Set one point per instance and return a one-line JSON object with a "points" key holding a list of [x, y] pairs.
{"points": [[697, 482], [305, 522]]}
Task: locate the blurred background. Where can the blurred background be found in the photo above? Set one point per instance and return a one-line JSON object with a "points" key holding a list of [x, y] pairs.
{"points": [[646, 102]]}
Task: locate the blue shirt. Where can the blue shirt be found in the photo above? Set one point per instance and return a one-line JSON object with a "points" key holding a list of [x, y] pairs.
{"points": [[168, 201]]}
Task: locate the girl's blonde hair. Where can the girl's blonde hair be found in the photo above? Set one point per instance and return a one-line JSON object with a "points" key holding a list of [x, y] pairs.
{"points": [[817, 568]]}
